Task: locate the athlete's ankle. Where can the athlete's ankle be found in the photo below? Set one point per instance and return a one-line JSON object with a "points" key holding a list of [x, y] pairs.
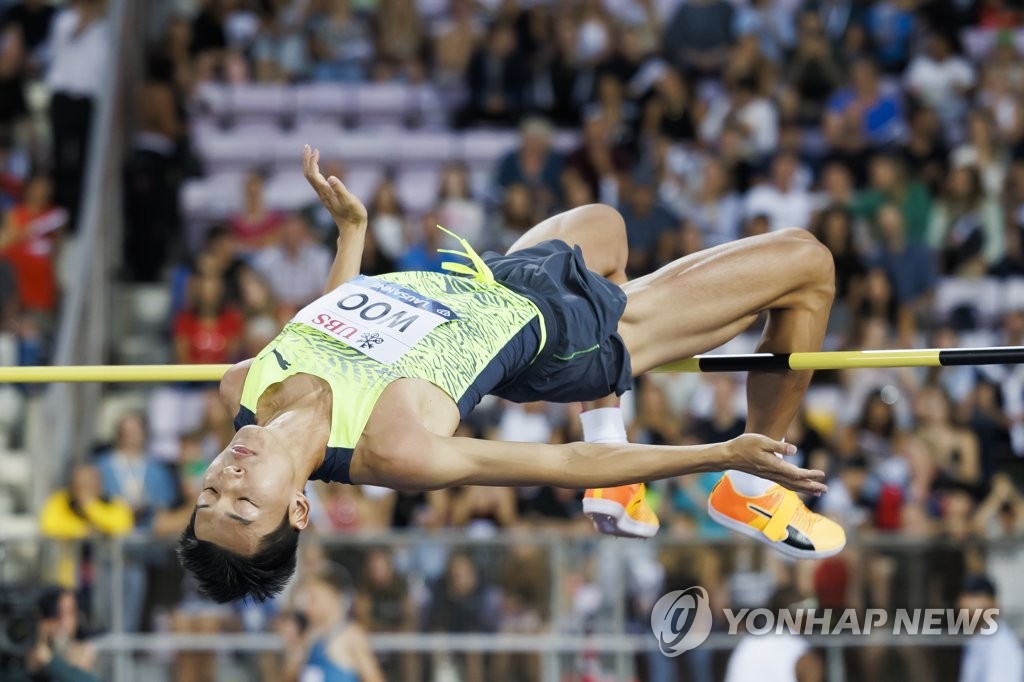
{"points": [[748, 485], [603, 425]]}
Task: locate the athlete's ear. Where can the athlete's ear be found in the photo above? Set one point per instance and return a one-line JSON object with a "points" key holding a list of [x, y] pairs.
{"points": [[298, 512]]}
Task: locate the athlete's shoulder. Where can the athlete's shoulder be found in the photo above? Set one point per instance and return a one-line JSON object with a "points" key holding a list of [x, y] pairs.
{"points": [[231, 385]]}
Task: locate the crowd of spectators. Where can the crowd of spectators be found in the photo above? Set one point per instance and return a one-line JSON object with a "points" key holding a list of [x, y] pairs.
{"points": [[893, 130]]}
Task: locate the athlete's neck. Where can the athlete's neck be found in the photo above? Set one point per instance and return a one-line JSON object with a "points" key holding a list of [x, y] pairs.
{"points": [[297, 414]]}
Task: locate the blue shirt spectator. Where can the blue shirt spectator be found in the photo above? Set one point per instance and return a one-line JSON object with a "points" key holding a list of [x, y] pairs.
{"points": [[128, 472]]}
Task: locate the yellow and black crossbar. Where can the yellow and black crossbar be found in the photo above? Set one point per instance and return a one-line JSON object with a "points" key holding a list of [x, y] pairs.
{"points": [[750, 362]]}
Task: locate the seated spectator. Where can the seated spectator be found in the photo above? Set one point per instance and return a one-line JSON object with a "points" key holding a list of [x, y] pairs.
{"points": [[296, 267], [926, 150], [495, 80], [534, 165], [698, 36], [813, 72], [673, 110], [967, 225], [648, 223], [280, 51], [209, 330], [78, 512], [512, 218], [952, 449], [482, 511], [456, 38], [384, 603], [387, 219], [422, 253], [28, 241], [891, 25], [941, 80], [256, 225], [748, 114], [601, 159], [341, 44], [461, 601], [888, 183], [456, 208], [909, 266], [861, 114], [782, 198], [400, 41]]}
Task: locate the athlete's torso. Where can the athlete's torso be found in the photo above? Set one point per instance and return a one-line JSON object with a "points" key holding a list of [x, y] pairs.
{"points": [[372, 332]]}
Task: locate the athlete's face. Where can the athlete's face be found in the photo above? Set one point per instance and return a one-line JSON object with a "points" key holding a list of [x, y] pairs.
{"points": [[246, 491]]}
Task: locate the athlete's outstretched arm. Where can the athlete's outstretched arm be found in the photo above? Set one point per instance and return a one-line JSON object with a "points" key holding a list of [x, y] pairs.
{"points": [[349, 215], [415, 459]]}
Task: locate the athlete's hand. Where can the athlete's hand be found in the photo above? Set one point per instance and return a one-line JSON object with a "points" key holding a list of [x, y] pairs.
{"points": [[346, 209], [756, 454]]}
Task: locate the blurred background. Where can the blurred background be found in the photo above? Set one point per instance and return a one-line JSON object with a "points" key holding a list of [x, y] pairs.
{"points": [[153, 211]]}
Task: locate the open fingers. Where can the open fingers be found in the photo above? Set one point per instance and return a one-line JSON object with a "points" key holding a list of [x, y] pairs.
{"points": [[311, 169], [798, 479]]}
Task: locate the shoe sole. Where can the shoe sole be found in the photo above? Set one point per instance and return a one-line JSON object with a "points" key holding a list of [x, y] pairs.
{"points": [[733, 524], [610, 518]]}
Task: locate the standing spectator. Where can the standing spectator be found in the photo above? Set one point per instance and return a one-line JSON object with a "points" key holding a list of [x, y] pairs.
{"points": [[991, 657], [698, 36], [463, 602], [256, 226], [941, 80], [387, 220], [28, 241], [280, 51], [784, 656], [456, 39], [384, 603], [76, 513], [782, 199], [209, 331], [79, 46], [296, 267], [57, 653], [673, 110], [748, 113], [131, 473], [495, 80]]}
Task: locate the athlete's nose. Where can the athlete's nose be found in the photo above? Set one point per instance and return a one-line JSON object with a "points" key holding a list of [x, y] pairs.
{"points": [[233, 470]]}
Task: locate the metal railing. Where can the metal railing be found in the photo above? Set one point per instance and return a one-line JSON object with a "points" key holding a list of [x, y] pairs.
{"points": [[620, 638]]}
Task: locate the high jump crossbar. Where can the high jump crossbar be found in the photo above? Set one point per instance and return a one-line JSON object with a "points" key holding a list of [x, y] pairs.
{"points": [[749, 362]]}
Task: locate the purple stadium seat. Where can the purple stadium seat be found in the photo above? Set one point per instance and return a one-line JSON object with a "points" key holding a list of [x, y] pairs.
{"points": [[322, 103], [261, 103], [383, 105]]}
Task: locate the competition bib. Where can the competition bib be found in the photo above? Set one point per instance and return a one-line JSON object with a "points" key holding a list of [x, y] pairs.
{"points": [[381, 320]]}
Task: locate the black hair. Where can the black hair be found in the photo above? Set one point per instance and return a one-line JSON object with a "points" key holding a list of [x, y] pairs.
{"points": [[225, 576]]}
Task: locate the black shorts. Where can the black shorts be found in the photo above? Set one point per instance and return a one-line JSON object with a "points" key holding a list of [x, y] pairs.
{"points": [[584, 358]]}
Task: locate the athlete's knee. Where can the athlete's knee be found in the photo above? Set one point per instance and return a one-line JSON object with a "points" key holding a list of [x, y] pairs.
{"points": [[812, 260], [606, 219]]}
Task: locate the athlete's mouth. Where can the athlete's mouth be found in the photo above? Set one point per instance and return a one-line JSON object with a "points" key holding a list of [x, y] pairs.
{"points": [[242, 451]]}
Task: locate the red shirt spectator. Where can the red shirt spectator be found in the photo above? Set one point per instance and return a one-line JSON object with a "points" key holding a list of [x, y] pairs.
{"points": [[209, 331], [28, 242]]}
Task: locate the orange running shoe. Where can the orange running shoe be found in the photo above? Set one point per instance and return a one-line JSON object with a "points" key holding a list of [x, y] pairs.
{"points": [[778, 518], [621, 511]]}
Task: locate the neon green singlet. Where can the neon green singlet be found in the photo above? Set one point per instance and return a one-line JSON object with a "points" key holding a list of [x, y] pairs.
{"points": [[486, 315]]}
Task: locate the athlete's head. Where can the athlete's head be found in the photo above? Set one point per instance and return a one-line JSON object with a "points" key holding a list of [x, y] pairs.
{"points": [[244, 531]]}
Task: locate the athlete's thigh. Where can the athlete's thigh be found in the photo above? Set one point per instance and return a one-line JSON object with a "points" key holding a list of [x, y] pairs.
{"points": [[597, 229], [699, 302]]}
